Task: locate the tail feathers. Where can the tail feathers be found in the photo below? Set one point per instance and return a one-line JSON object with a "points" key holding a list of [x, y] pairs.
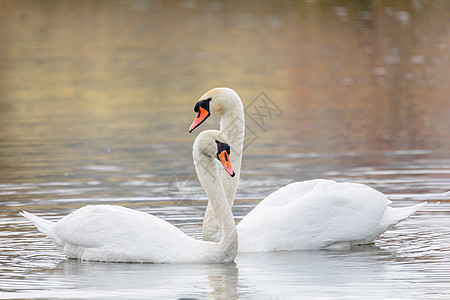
{"points": [[44, 226], [391, 217]]}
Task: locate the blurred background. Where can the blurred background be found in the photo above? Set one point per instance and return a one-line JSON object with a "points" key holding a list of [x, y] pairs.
{"points": [[96, 98], [103, 91]]}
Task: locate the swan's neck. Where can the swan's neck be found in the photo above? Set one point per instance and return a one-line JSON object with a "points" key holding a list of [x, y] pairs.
{"points": [[232, 125], [207, 172]]}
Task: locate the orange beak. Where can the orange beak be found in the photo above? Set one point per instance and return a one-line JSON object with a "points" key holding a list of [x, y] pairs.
{"points": [[201, 117], [225, 160]]}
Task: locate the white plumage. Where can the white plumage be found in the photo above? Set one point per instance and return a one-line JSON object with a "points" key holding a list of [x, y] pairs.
{"points": [[119, 234], [304, 215], [318, 214]]}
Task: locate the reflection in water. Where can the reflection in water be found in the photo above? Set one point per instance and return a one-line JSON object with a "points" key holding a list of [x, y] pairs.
{"points": [[95, 102], [89, 80], [209, 280], [335, 274], [272, 275], [104, 280]]}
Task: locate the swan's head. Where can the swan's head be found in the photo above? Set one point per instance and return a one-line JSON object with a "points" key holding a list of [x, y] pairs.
{"points": [[214, 102], [213, 143]]}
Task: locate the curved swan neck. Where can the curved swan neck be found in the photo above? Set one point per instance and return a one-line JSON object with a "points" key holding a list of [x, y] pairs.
{"points": [[232, 124], [208, 175]]}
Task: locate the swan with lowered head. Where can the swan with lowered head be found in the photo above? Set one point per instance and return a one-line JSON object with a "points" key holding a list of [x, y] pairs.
{"points": [[304, 215], [118, 234]]}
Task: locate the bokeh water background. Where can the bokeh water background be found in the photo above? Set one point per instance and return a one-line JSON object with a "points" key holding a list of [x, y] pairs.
{"points": [[96, 98]]}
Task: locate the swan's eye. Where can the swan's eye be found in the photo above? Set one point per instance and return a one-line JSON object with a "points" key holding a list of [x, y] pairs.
{"points": [[196, 107]]}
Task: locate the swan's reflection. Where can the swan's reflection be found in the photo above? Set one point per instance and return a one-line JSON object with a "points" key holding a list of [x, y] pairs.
{"points": [[216, 281], [323, 273], [257, 275], [265, 273]]}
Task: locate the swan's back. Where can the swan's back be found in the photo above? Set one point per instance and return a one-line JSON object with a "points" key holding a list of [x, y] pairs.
{"points": [[311, 215], [116, 233]]}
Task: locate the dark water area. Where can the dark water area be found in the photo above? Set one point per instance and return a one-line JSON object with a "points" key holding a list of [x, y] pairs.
{"points": [[96, 98]]}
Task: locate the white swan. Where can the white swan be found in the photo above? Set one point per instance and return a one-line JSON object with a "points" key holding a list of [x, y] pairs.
{"points": [[304, 215], [227, 104], [119, 234]]}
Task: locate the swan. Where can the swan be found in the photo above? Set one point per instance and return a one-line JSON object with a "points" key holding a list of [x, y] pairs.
{"points": [[233, 126], [118, 234], [311, 214]]}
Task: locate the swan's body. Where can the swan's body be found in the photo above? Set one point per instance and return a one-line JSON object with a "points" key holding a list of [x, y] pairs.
{"points": [[317, 214], [119, 234], [303, 215]]}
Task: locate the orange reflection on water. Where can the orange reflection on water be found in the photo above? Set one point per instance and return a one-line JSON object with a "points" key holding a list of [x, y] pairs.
{"points": [[360, 76]]}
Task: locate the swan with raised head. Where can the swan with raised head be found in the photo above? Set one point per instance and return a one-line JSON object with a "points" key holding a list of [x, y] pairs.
{"points": [[118, 234], [304, 215], [227, 104]]}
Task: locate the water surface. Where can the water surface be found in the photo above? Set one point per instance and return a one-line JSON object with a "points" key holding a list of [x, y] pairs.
{"points": [[96, 98]]}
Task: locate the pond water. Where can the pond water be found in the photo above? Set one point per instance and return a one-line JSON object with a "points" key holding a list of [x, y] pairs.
{"points": [[96, 98]]}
